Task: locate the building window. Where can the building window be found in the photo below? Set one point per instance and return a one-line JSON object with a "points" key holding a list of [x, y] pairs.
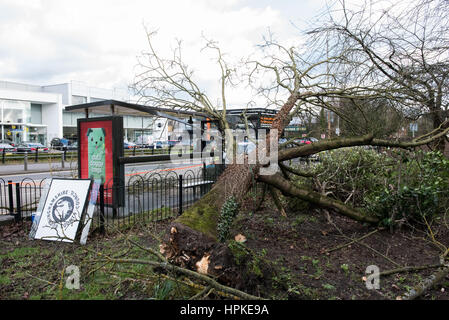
{"points": [[16, 111], [36, 113]]}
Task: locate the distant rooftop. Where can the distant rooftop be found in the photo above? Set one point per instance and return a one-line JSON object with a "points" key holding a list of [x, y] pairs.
{"points": [[77, 88], [20, 86]]}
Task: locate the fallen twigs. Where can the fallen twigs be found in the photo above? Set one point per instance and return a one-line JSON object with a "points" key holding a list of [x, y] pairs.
{"points": [[358, 241], [427, 284], [408, 269], [150, 250], [169, 267], [186, 281], [351, 242], [203, 293]]}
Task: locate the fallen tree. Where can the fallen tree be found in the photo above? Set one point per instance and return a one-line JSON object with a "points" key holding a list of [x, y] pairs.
{"points": [[193, 236], [192, 240]]}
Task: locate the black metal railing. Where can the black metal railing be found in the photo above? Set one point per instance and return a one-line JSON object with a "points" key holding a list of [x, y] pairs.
{"points": [[56, 155], [153, 197]]}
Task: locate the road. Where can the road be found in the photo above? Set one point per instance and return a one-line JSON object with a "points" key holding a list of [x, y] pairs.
{"points": [[130, 170]]}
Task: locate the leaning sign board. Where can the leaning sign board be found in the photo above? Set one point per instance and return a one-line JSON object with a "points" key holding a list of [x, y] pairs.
{"points": [[62, 208]]}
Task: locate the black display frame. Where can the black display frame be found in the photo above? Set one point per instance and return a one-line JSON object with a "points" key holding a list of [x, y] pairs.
{"points": [[118, 168]]}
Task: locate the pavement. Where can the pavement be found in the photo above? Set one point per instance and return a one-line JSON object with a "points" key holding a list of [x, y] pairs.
{"points": [[32, 167], [6, 219]]}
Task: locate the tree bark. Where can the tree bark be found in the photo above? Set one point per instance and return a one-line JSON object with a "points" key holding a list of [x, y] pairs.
{"points": [[316, 198], [440, 143]]}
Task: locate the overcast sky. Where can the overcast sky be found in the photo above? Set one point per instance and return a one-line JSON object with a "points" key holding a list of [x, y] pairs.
{"points": [[97, 41]]}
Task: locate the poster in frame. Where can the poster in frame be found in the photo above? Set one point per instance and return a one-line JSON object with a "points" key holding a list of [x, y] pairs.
{"points": [[100, 146]]}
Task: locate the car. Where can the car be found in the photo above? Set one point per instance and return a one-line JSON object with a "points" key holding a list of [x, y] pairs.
{"points": [[310, 140], [22, 148], [301, 141], [35, 146], [158, 145], [144, 141], [129, 145], [304, 141], [5, 147], [73, 146], [143, 146], [7, 141], [59, 143], [172, 143]]}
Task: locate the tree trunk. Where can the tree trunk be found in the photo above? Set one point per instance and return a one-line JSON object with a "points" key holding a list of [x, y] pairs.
{"points": [[438, 144], [192, 239], [316, 198]]}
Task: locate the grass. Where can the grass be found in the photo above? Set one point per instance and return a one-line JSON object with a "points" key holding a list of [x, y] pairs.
{"points": [[38, 269], [41, 157]]}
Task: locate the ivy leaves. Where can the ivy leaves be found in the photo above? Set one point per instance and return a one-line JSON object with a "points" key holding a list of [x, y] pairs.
{"points": [[227, 214]]}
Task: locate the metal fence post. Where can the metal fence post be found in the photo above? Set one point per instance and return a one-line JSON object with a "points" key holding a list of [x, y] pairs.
{"points": [[203, 186], [180, 195], [37, 154], [215, 172], [18, 215], [25, 161], [3, 155], [204, 171], [116, 198], [62, 160], [11, 198], [102, 208]]}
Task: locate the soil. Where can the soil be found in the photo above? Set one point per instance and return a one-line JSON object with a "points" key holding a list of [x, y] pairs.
{"points": [[296, 247]]}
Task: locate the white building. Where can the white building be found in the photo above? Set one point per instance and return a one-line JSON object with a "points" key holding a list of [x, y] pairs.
{"points": [[36, 113]]}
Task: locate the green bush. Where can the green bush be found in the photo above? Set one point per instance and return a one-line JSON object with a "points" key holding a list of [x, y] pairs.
{"points": [[420, 193], [398, 186], [349, 174]]}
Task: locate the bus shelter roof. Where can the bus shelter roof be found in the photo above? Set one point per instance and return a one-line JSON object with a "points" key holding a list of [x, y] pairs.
{"points": [[115, 107]]}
